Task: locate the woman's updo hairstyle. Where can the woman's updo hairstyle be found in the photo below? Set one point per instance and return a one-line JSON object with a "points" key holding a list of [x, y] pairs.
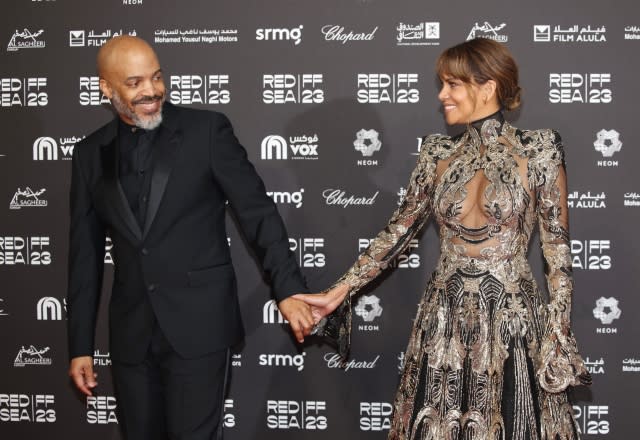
{"points": [[479, 60]]}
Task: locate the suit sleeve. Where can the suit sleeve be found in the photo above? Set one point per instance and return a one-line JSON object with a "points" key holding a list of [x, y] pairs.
{"points": [[86, 264], [256, 212]]}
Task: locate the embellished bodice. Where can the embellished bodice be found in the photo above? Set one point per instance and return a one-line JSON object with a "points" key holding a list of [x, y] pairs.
{"points": [[480, 202]]}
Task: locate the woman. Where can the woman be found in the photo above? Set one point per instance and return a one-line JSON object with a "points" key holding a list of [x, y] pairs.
{"points": [[488, 357]]}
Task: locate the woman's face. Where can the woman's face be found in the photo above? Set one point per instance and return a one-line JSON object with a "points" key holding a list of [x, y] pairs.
{"points": [[461, 101]]}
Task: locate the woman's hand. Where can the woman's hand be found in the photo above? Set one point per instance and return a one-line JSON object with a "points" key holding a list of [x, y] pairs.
{"points": [[322, 304]]}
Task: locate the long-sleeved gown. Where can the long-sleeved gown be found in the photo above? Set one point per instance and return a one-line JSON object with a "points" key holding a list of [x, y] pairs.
{"points": [[489, 357]]}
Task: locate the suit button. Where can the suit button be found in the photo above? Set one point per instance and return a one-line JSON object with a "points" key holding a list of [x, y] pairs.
{"points": [[144, 251], [152, 287]]}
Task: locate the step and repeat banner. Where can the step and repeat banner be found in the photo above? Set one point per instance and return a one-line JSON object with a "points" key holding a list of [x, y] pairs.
{"points": [[307, 84]]}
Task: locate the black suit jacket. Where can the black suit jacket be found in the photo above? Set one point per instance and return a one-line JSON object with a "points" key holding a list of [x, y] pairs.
{"points": [[177, 267]]}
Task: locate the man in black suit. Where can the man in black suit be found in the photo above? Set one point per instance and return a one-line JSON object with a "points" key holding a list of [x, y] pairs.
{"points": [[156, 179]]}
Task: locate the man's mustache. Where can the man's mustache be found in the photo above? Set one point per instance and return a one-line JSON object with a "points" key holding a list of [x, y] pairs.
{"points": [[147, 99]]}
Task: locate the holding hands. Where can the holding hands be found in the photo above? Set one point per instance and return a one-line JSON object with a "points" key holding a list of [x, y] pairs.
{"points": [[324, 303]]}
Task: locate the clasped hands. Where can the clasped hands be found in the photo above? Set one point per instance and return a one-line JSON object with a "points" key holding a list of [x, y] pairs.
{"points": [[305, 310]]}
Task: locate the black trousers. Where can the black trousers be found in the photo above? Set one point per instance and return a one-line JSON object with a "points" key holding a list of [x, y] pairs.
{"points": [[168, 397]]}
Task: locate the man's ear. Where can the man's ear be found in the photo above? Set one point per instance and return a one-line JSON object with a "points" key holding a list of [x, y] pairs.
{"points": [[105, 88]]}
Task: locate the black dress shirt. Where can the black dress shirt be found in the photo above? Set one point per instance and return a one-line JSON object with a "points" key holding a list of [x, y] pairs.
{"points": [[135, 166]]}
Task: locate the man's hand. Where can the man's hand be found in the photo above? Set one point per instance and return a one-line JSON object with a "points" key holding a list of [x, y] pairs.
{"points": [[324, 303], [81, 371], [298, 313]]}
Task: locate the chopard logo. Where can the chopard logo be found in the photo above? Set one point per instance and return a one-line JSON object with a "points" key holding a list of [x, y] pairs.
{"points": [[339, 197], [337, 33], [334, 360]]}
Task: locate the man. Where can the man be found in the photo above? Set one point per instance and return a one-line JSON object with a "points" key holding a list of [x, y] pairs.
{"points": [[157, 178]]}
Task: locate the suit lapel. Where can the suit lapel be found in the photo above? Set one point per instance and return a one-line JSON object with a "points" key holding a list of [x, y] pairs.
{"points": [[114, 195], [166, 146]]}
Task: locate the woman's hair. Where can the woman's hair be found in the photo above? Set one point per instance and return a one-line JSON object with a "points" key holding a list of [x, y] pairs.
{"points": [[479, 60]]}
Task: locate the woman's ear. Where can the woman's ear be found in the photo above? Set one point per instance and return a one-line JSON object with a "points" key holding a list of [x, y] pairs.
{"points": [[489, 91]]}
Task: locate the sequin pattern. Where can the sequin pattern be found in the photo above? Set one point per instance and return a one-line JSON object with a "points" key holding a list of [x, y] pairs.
{"points": [[489, 357]]}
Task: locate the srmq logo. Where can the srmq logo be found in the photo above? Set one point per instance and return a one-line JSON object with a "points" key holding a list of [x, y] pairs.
{"points": [[280, 34]]}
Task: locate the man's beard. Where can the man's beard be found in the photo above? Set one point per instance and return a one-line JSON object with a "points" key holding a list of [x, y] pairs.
{"points": [[145, 122]]}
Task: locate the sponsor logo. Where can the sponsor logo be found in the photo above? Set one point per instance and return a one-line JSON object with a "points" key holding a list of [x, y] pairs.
{"points": [[591, 254], [607, 143], [631, 199], [27, 199], [23, 92], [280, 34], [276, 147], [338, 197], [594, 367], [50, 309], [195, 36], [2, 310], [132, 2], [25, 39], [334, 360], [407, 260], [108, 247], [287, 198], [89, 92], [607, 310], [592, 419], [630, 365], [236, 360], [82, 38], [101, 359], [585, 88], [337, 33], [293, 414], [29, 408], [289, 88], [199, 89], [367, 142], [310, 251], [47, 148], [422, 34], [573, 34], [586, 200], [229, 419], [397, 88], [31, 356], [101, 410], [271, 314], [282, 360], [487, 30], [375, 416], [368, 308], [632, 32], [30, 251]]}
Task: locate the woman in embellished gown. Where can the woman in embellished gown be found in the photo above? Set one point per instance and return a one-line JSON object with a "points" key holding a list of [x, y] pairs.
{"points": [[489, 357]]}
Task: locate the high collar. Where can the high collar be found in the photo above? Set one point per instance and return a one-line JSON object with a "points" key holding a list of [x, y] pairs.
{"points": [[487, 129]]}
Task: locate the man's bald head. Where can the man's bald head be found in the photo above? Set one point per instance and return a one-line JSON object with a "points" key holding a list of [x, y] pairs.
{"points": [[120, 51], [130, 76]]}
